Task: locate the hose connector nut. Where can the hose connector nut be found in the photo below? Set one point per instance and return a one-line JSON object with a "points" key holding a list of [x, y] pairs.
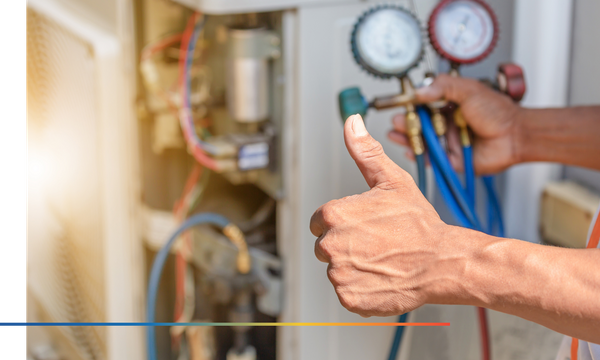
{"points": [[439, 123], [236, 236], [413, 127], [460, 121]]}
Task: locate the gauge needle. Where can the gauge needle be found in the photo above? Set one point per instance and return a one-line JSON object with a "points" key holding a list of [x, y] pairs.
{"points": [[461, 29]]}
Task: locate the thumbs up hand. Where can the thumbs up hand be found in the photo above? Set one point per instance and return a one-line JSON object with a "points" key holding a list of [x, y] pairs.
{"points": [[388, 250]]}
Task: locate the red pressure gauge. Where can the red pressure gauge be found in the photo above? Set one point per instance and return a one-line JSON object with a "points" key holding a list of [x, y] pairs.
{"points": [[463, 31]]}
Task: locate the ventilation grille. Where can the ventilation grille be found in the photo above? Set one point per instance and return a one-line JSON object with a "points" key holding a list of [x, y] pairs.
{"points": [[65, 243]]}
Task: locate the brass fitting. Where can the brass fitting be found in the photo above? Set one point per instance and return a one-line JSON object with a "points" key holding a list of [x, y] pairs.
{"points": [[405, 98], [413, 130], [439, 123], [460, 121], [236, 236]]}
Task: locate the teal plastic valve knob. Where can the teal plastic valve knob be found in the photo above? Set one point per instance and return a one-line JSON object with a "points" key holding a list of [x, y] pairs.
{"points": [[352, 102]]}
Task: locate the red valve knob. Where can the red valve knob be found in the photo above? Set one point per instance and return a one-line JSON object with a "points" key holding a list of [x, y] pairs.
{"points": [[511, 81]]}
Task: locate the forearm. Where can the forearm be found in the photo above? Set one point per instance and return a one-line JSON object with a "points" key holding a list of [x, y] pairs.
{"points": [[555, 287], [569, 136]]}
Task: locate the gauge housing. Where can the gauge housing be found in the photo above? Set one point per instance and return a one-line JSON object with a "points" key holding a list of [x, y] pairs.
{"points": [[358, 52], [437, 43]]}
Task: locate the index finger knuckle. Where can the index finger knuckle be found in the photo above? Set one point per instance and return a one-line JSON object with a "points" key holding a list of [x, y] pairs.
{"points": [[330, 213]]}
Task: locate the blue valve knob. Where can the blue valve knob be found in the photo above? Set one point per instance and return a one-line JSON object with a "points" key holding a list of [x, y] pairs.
{"points": [[352, 102]]}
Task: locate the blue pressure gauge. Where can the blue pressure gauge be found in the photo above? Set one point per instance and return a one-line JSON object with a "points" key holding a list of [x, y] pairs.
{"points": [[387, 41]]}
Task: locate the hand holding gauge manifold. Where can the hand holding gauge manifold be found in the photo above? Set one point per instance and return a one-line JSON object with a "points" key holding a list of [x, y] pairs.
{"points": [[493, 118], [472, 21]]}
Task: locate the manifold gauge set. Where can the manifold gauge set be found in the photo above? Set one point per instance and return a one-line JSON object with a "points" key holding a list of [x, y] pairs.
{"points": [[388, 41]]}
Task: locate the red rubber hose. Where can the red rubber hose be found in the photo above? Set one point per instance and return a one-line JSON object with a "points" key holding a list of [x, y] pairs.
{"points": [[484, 333]]}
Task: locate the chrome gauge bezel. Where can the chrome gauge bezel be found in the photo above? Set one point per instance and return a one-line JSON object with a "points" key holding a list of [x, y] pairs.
{"points": [[369, 67]]}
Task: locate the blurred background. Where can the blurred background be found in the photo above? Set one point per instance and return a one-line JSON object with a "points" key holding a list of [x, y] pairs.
{"points": [[143, 112]]}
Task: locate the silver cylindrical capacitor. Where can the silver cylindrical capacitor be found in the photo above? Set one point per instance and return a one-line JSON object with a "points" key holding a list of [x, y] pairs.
{"points": [[249, 54]]}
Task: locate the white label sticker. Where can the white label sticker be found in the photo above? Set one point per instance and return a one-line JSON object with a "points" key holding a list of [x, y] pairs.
{"points": [[253, 156]]}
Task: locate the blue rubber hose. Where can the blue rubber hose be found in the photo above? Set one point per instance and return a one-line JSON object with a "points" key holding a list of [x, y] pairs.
{"points": [[422, 182], [488, 181], [456, 198], [159, 263], [469, 174], [437, 154], [451, 203], [397, 338], [422, 175]]}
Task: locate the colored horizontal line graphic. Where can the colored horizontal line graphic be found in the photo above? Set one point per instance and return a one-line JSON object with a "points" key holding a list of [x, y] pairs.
{"points": [[277, 324]]}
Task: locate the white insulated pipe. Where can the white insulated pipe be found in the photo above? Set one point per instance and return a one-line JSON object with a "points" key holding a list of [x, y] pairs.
{"points": [[542, 46]]}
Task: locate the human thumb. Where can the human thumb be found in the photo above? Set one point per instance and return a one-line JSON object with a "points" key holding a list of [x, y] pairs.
{"points": [[377, 168]]}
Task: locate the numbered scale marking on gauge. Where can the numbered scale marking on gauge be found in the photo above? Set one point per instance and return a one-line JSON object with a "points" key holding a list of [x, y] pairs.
{"points": [[387, 41], [463, 31]]}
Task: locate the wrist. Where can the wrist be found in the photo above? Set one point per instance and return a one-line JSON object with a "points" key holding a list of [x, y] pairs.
{"points": [[520, 135], [567, 136], [456, 277]]}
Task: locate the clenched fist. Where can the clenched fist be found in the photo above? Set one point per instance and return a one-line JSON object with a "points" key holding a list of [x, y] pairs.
{"points": [[387, 249]]}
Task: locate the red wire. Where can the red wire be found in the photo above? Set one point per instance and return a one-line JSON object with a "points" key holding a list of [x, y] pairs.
{"points": [[180, 269], [165, 96], [180, 261], [204, 159], [192, 179], [185, 40], [152, 49], [187, 188], [160, 45], [197, 151], [484, 332], [574, 348]]}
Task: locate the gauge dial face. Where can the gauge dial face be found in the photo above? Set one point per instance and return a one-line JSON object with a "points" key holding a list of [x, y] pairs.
{"points": [[463, 30], [388, 42]]}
